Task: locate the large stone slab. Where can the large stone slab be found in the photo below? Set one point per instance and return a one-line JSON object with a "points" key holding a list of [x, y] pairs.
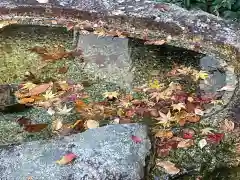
{"points": [[103, 153]]}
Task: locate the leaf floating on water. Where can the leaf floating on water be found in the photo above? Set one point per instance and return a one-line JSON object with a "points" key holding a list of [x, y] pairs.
{"points": [[169, 167], [66, 159], [49, 95], [28, 85], [35, 127], [136, 139], [202, 143], [91, 124]]}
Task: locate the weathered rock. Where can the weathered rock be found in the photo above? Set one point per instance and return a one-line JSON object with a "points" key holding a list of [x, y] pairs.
{"points": [[103, 153]]}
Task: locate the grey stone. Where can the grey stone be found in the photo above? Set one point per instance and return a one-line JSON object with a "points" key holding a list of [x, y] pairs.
{"points": [[103, 153]]}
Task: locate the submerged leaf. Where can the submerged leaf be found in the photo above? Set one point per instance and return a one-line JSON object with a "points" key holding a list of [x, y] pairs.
{"points": [[34, 127], [23, 121]]}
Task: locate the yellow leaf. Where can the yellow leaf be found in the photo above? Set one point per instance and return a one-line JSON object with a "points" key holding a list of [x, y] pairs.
{"points": [[48, 95], [178, 106], [164, 134], [110, 95], [201, 75]]}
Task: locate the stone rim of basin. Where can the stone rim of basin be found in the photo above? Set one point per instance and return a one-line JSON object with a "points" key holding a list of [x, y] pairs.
{"points": [[201, 33]]}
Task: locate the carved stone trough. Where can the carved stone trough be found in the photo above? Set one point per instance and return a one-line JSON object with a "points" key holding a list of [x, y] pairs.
{"points": [[193, 30]]}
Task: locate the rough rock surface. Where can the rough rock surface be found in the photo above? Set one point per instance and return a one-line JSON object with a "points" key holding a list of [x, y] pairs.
{"points": [[103, 153]]}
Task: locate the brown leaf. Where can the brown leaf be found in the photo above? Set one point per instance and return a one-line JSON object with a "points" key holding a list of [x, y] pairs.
{"points": [[53, 54], [23, 121], [193, 118], [35, 127], [63, 70]]}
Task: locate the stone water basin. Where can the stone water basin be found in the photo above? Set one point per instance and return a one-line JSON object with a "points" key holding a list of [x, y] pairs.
{"points": [[107, 64]]}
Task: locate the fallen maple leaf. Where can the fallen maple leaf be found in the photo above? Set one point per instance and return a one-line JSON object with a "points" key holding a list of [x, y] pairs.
{"points": [[227, 125], [57, 124], [168, 166], [215, 138], [28, 85], [23, 121], [164, 134], [164, 119], [136, 139], [66, 159], [64, 110], [49, 95], [186, 143], [110, 95], [178, 106], [200, 75]]}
